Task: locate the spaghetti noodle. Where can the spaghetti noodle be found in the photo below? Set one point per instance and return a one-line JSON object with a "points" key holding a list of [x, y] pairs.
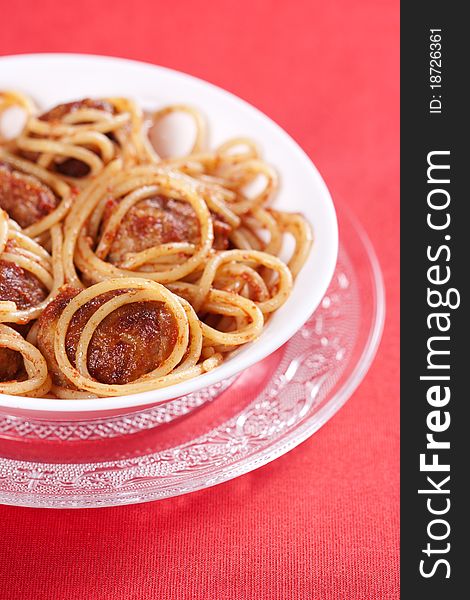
{"points": [[124, 270]]}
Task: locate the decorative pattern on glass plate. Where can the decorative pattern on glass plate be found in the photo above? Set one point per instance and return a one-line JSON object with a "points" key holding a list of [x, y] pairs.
{"points": [[13, 427], [320, 367]]}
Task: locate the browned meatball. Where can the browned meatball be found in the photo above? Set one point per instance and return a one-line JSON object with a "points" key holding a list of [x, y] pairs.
{"points": [[150, 223], [221, 232], [23, 288], [72, 167], [156, 221], [24, 197], [58, 112], [20, 286], [47, 324], [11, 364], [132, 341]]}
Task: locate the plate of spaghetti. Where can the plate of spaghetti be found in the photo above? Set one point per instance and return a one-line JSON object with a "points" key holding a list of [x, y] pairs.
{"points": [[157, 234]]}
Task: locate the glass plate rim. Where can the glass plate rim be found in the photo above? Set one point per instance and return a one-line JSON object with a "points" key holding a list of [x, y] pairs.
{"points": [[292, 438]]}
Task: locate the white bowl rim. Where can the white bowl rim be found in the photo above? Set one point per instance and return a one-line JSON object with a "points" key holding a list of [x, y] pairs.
{"points": [[257, 350]]}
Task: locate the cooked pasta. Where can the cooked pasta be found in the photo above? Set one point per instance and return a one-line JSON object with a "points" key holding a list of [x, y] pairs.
{"points": [[122, 270]]}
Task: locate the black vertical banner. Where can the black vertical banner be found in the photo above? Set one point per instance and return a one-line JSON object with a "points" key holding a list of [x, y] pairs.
{"points": [[435, 263]]}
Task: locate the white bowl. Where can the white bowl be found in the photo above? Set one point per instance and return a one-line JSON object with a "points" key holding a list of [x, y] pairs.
{"points": [[55, 78]]}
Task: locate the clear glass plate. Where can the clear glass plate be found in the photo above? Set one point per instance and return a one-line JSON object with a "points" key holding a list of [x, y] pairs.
{"points": [[220, 433]]}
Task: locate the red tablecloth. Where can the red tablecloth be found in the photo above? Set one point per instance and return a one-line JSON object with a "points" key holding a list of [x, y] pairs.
{"points": [[322, 521]]}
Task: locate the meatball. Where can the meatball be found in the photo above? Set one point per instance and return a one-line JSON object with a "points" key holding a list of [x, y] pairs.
{"points": [[130, 342], [150, 223], [20, 286], [72, 167], [25, 290], [58, 112], [11, 364], [24, 197], [221, 232], [156, 221]]}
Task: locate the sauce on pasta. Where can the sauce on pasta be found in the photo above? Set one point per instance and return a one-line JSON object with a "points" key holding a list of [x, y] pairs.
{"points": [[123, 271]]}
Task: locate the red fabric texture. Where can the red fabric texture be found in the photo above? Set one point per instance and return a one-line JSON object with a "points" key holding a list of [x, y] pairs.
{"points": [[322, 522]]}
